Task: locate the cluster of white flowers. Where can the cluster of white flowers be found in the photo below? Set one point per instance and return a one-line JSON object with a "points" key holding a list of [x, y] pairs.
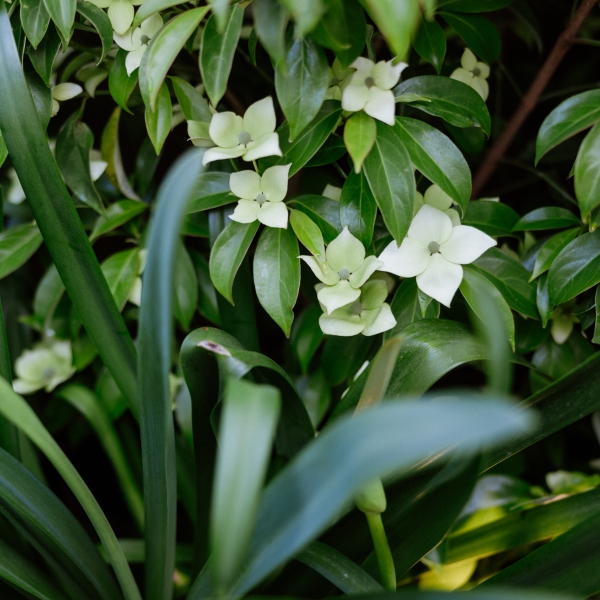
{"points": [[474, 73], [135, 40]]}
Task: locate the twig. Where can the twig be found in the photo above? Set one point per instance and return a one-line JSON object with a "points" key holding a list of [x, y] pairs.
{"points": [[563, 43]]}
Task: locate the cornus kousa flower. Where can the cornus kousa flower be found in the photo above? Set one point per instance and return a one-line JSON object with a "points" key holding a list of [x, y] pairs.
{"points": [[369, 314], [120, 12], [45, 366], [338, 77], [250, 137], [135, 41], [474, 73], [261, 197], [436, 197], [434, 251], [344, 271], [370, 88], [62, 92]]}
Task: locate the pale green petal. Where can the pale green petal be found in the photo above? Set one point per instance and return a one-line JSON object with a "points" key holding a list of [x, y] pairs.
{"points": [[273, 214], [15, 194], [151, 25], [386, 74], [216, 153], [225, 128], [135, 295], [332, 192], [134, 59], [121, 14], [381, 105], [130, 40], [378, 320], [436, 197], [369, 266], [266, 145], [322, 271], [468, 60], [245, 184], [55, 107], [484, 70], [31, 364], [338, 295], [66, 91], [355, 96], [246, 211], [561, 329], [454, 217], [102, 3], [410, 259], [373, 294], [345, 252], [259, 119], [419, 201], [27, 387], [430, 225], [462, 75], [341, 322], [198, 133], [481, 86], [364, 68], [59, 378], [274, 182], [441, 279]]}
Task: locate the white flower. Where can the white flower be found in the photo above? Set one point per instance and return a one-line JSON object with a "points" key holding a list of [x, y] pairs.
{"points": [[135, 41], [436, 197], [261, 197], [370, 88], [434, 251], [562, 320], [369, 315], [250, 137], [45, 366], [62, 92], [473, 73], [344, 271], [332, 192], [120, 12], [338, 78]]}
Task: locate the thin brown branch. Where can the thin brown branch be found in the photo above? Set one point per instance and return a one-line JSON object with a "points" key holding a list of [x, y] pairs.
{"points": [[563, 43]]}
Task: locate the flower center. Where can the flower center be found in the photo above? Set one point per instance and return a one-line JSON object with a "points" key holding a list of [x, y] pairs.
{"points": [[344, 273], [48, 373], [335, 81], [261, 198], [356, 308], [433, 247], [369, 82], [476, 72], [144, 39], [244, 137]]}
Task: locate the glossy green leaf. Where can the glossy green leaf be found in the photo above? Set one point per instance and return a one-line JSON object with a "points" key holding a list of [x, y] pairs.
{"points": [[277, 274], [151, 7], [62, 12], [587, 180], [306, 335], [185, 288], [301, 82], [477, 33], [35, 20], [331, 151], [162, 50], [430, 44], [193, 105], [212, 191], [389, 171], [270, 21], [217, 51], [493, 218], [453, 101], [322, 211], [570, 117], [154, 365], [117, 214], [308, 233], [99, 19], [358, 208], [120, 271], [120, 84], [360, 132], [17, 244], [575, 269], [305, 146], [511, 279], [42, 57], [42, 97], [551, 249], [342, 357], [247, 428], [549, 217], [227, 255], [306, 14], [158, 120], [73, 146], [436, 156]]}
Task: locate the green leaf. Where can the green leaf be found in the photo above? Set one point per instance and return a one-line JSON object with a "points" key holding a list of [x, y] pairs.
{"points": [[308, 233], [430, 44], [301, 82], [193, 105], [575, 269], [151, 7], [62, 12], [358, 208], [587, 181], [475, 6], [596, 338], [217, 51], [17, 245], [551, 249], [436, 156], [306, 13], [389, 171], [305, 146], [493, 218], [154, 365], [511, 279], [42, 97], [247, 428], [570, 117], [477, 33], [322, 211], [306, 335], [207, 295], [120, 271], [162, 50], [332, 150], [270, 21], [342, 357], [220, 10], [212, 191], [277, 274], [120, 84], [42, 57], [116, 215], [549, 217], [99, 19], [35, 20], [73, 146], [185, 288], [158, 119], [227, 254], [360, 132], [453, 101]]}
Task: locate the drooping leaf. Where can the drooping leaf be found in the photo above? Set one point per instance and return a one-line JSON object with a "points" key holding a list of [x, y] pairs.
{"points": [[116, 215], [306, 14], [17, 244], [42, 57], [358, 208], [158, 120], [270, 20], [99, 19], [477, 33], [308, 233], [360, 132], [120, 271], [193, 105], [322, 211], [62, 12], [430, 44], [120, 84], [551, 249], [35, 20]]}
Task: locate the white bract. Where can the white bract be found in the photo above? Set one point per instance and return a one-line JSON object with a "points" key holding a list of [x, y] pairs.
{"points": [[135, 41], [474, 73], [261, 197], [434, 251], [436, 197], [344, 271], [370, 88], [45, 366], [369, 314], [62, 92], [120, 12], [251, 136]]}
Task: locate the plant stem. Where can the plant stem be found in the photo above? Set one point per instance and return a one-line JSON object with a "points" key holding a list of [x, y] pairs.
{"points": [[383, 553]]}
